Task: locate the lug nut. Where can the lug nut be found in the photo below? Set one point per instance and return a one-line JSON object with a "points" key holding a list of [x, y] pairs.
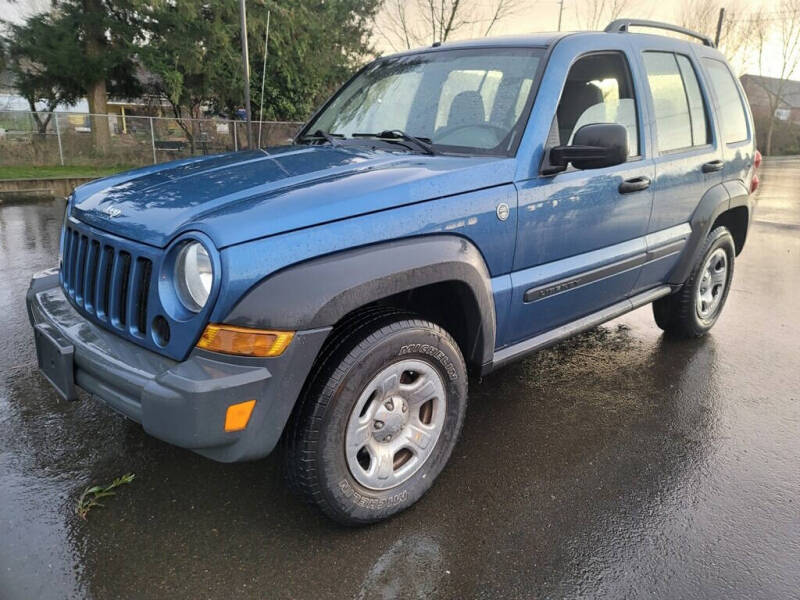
{"points": [[405, 407], [378, 424], [389, 438], [389, 405]]}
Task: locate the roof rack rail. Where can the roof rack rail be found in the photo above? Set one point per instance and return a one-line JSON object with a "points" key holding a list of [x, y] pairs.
{"points": [[622, 25]]}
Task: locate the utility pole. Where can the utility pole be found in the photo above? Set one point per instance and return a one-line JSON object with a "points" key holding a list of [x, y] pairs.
{"points": [[246, 73], [263, 79], [719, 26], [560, 12]]}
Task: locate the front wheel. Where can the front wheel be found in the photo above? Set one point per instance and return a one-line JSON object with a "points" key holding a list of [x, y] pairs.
{"points": [[379, 421], [694, 309]]}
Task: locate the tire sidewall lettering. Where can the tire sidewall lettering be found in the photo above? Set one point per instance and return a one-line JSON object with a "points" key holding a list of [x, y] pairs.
{"points": [[433, 352], [369, 503]]}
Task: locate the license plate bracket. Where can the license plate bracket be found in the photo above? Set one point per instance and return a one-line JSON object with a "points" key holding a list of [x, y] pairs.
{"points": [[55, 356]]}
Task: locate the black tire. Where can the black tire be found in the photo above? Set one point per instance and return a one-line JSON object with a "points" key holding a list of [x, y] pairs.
{"points": [[314, 449], [678, 314]]}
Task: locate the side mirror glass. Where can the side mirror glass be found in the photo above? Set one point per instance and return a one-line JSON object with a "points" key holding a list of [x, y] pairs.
{"points": [[594, 146]]}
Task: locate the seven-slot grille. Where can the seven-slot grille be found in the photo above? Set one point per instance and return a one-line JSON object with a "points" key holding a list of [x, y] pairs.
{"points": [[109, 283]]}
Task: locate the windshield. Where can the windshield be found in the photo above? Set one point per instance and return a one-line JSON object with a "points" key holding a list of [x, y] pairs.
{"points": [[464, 101]]}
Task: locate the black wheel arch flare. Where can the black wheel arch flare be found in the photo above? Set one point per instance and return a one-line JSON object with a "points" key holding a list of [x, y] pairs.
{"points": [[319, 292]]}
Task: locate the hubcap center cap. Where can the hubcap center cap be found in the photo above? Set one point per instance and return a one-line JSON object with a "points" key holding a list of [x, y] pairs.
{"points": [[390, 418]]}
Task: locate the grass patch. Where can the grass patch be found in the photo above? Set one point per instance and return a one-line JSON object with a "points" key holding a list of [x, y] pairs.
{"points": [[30, 172], [91, 496]]}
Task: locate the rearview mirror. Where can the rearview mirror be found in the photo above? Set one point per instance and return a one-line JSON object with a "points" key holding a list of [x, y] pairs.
{"points": [[593, 146]]}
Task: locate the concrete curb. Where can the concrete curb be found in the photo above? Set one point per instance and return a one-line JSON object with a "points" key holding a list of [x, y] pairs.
{"points": [[48, 187]]}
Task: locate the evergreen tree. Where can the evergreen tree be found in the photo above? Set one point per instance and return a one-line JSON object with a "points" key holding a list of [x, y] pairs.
{"points": [[191, 52], [314, 46], [79, 48], [192, 49]]}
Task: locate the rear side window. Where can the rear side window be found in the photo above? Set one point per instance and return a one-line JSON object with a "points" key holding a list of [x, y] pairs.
{"points": [[677, 101], [733, 121], [697, 110]]}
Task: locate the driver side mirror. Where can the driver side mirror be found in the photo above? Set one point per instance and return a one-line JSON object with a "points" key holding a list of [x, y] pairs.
{"points": [[594, 146]]}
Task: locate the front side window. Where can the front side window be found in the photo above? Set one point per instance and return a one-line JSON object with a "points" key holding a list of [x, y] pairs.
{"points": [[598, 90], [733, 121], [464, 101], [679, 111]]}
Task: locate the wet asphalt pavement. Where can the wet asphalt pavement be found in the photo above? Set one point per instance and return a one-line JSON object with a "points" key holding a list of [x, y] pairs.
{"points": [[617, 465]]}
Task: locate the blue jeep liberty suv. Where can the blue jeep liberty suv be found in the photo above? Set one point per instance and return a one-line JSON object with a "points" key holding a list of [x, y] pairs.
{"points": [[448, 210]]}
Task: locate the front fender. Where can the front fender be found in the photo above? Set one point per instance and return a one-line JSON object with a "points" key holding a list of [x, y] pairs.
{"points": [[319, 292]]}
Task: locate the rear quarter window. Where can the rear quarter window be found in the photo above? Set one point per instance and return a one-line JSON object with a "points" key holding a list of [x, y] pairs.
{"points": [[733, 121]]}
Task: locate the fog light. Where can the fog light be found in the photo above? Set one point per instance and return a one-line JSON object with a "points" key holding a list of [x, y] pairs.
{"points": [[238, 415], [244, 341]]}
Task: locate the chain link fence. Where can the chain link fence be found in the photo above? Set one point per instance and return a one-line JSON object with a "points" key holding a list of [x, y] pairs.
{"points": [[68, 139]]}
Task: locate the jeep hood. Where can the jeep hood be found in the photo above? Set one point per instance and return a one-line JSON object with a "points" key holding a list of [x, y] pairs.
{"points": [[237, 197]]}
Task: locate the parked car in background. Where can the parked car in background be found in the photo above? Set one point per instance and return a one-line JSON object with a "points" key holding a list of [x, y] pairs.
{"points": [[449, 210]]}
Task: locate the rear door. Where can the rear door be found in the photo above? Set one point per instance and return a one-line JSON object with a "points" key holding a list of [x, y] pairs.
{"points": [[688, 158]]}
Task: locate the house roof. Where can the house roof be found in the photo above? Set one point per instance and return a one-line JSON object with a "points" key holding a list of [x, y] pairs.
{"points": [[790, 96]]}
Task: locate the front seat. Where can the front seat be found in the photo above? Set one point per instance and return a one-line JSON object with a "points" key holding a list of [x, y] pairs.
{"points": [[578, 96], [466, 109]]}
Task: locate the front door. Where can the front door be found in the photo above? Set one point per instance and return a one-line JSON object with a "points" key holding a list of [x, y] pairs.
{"points": [[580, 242]]}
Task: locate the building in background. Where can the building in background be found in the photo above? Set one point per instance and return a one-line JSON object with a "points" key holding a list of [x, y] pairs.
{"points": [[778, 100], [759, 91]]}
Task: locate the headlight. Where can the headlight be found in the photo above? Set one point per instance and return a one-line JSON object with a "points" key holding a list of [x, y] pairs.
{"points": [[193, 276]]}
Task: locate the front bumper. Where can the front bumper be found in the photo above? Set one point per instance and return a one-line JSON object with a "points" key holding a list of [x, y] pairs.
{"points": [[182, 403]]}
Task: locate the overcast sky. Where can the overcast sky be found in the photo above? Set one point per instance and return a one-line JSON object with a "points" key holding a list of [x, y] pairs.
{"points": [[542, 15], [531, 16], [16, 10]]}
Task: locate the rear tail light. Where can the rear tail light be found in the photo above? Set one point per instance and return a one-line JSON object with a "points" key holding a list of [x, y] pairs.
{"points": [[754, 183], [756, 163]]}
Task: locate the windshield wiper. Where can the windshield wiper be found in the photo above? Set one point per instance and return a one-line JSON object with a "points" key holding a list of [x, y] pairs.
{"points": [[321, 135], [423, 144]]}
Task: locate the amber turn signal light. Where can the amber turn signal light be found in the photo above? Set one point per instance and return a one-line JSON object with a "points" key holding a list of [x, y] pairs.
{"points": [[238, 415], [244, 341]]}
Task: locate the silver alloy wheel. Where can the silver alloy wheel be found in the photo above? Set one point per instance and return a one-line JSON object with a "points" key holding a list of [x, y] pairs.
{"points": [[713, 279], [395, 424]]}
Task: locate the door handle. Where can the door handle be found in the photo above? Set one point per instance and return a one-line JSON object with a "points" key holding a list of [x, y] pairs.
{"points": [[713, 166], [637, 184]]}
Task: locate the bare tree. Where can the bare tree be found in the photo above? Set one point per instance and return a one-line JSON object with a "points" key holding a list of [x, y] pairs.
{"points": [[408, 23], [393, 24], [501, 10], [737, 34], [778, 46], [596, 14]]}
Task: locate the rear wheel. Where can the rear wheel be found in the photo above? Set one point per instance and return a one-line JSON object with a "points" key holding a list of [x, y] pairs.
{"points": [[380, 419], [694, 309]]}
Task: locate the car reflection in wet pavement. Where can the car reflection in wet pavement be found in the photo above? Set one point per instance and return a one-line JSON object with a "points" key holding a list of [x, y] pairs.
{"points": [[617, 464]]}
